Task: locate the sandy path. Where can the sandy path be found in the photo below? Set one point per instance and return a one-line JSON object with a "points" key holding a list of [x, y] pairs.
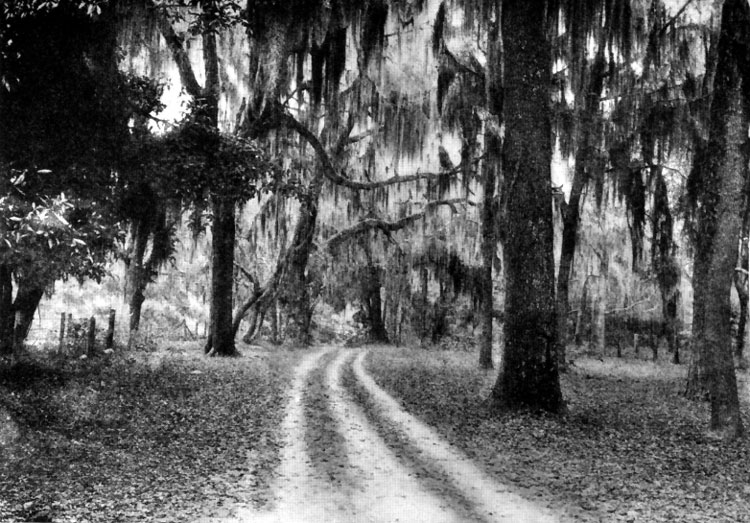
{"points": [[374, 485], [301, 493], [388, 490], [491, 499]]}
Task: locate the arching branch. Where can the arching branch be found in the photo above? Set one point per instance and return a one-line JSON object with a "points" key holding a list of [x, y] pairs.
{"points": [[331, 173], [389, 227], [180, 56]]}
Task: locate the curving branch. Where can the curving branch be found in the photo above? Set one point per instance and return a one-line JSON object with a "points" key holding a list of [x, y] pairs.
{"points": [[389, 227], [180, 56], [331, 173]]}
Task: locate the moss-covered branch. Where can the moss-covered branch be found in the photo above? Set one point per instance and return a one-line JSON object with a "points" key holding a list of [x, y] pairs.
{"points": [[333, 175], [389, 226]]}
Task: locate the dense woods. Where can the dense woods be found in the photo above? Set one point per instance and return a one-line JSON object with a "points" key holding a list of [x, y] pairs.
{"points": [[536, 182]]}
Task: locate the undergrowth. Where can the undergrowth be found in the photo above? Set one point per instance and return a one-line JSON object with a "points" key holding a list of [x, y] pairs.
{"points": [[631, 448]]}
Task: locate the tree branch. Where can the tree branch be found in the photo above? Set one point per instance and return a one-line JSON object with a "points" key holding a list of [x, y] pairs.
{"points": [[180, 56], [329, 169], [386, 226]]}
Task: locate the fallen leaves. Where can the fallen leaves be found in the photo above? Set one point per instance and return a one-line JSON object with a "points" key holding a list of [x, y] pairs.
{"points": [[630, 449], [127, 440]]}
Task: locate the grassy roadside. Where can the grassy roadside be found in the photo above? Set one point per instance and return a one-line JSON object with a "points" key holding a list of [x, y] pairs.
{"points": [[630, 449], [164, 436]]}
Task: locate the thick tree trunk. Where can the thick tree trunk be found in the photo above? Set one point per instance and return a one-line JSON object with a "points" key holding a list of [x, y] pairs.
{"points": [[528, 377], [719, 224], [6, 310], [221, 339]]}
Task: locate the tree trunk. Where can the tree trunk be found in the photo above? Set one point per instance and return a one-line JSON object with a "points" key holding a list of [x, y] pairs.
{"points": [[136, 275], [424, 303], [27, 300], [491, 174], [6, 310], [221, 338], [489, 248], [599, 308], [296, 277], [528, 377], [371, 294], [741, 284], [586, 155], [274, 322], [719, 225]]}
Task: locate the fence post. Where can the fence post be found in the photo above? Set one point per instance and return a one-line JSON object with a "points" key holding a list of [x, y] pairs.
{"points": [[91, 335], [61, 346], [17, 335], [110, 330]]}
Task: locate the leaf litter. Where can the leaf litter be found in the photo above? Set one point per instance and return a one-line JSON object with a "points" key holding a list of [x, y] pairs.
{"points": [[126, 438], [631, 448]]}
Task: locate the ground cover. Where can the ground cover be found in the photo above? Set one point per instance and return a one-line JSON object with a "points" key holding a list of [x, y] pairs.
{"points": [[162, 436], [629, 449]]}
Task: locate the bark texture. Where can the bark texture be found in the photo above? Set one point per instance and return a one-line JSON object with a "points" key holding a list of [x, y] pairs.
{"points": [[222, 277], [528, 377], [719, 225]]}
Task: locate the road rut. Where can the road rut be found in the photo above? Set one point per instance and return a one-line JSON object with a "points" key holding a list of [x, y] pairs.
{"points": [[359, 477]]}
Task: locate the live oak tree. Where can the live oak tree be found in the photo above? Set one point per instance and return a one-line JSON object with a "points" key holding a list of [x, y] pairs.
{"points": [[528, 375], [723, 173], [214, 165]]}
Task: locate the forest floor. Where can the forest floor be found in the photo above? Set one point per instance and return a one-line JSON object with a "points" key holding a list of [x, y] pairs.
{"points": [[631, 448], [160, 436], [310, 436]]}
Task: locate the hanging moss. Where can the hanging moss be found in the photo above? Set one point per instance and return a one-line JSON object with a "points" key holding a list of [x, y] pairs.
{"points": [[373, 23], [438, 30]]}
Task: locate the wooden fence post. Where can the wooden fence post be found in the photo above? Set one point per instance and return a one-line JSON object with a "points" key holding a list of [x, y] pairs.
{"points": [[61, 346], [91, 335], [17, 335], [110, 330]]}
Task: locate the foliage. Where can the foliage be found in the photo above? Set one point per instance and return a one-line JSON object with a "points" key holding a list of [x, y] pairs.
{"points": [[158, 437], [12, 12], [55, 237], [631, 448]]}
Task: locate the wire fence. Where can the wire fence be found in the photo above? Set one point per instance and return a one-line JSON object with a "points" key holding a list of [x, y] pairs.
{"points": [[103, 329]]}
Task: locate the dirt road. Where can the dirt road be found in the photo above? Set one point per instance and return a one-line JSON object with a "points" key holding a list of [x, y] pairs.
{"points": [[342, 462]]}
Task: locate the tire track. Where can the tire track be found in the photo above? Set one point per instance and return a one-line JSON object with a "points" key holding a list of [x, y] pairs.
{"points": [[434, 479], [336, 467], [302, 494], [387, 490], [492, 500]]}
